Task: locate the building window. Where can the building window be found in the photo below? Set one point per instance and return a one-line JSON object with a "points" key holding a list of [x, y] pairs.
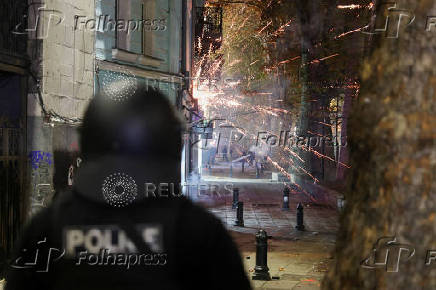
{"points": [[136, 26], [129, 36]]}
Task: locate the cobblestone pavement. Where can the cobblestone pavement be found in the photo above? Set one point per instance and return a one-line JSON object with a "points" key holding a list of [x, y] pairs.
{"points": [[298, 260]]}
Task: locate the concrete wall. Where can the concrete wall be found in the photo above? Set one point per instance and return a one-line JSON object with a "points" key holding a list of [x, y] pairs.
{"points": [[68, 60], [65, 64]]}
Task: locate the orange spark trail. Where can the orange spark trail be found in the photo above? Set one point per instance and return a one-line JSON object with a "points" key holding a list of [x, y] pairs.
{"points": [[313, 177], [327, 57], [243, 24], [324, 58], [356, 6], [330, 125], [282, 170], [289, 60], [280, 30], [313, 133], [294, 154], [348, 32], [260, 31], [319, 155]]}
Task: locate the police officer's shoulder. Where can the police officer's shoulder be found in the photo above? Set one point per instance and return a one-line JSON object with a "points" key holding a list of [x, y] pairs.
{"points": [[35, 230], [63, 198], [41, 221]]}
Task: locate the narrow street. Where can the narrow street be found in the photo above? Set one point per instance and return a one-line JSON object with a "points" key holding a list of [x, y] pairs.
{"points": [[307, 128], [296, 259]]}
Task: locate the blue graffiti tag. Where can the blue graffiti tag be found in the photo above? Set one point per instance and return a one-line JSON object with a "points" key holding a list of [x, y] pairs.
{"points": [[38, 157]]}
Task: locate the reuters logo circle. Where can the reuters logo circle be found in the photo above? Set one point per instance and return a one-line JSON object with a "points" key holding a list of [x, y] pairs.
{"points": [[119, 189], [119, 86]]}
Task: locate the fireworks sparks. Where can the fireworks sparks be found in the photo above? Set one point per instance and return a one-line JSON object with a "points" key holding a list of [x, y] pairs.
{"points": [[356, 6], [325, 124], [281, 28], [349, 32], [289, 60], [321, 59], [289, 176], [294, 154], [265, 27], [319, 155], [249, 110]]}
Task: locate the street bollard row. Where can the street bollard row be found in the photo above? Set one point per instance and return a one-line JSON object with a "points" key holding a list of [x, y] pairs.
{"points": [[286, 192], [300, 215], [300, 209], [239, 206], [261, 270], [240, 214], [235, 197]]}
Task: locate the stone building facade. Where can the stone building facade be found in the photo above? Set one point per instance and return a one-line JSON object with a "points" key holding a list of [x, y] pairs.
{"points": [[70, 50]]}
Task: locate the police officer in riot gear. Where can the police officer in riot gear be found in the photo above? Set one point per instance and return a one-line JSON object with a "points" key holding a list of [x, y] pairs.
{"points": [[125, 224]]}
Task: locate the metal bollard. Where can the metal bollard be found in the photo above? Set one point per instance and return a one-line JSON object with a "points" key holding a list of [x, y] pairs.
{"points": [[231, 170], [235, 197], [261, 270], [300, 214], [286, 192], [240, 214], [341, 202]]}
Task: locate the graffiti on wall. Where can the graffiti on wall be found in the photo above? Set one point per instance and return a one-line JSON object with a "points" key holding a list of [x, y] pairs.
{"points": [[41, 185], [37, 158]]}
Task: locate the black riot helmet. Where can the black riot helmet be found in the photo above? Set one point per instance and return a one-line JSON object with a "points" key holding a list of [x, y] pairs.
{"points": [[141, 125]]}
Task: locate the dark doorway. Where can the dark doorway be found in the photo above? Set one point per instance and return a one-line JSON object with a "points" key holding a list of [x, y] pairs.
{"points": [[12, 158]]}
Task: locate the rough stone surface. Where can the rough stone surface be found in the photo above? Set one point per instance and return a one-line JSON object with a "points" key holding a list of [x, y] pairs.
{"points": [[392, 187], [68, 59]]}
